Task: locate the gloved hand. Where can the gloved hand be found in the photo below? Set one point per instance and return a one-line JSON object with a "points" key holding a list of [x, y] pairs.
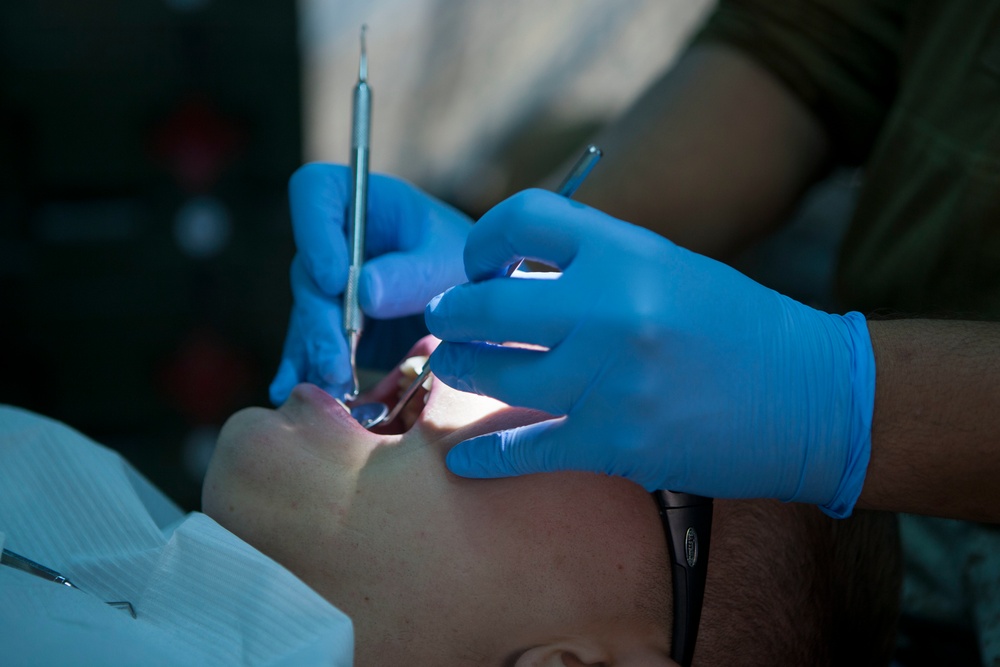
{"points": [[415, 243], [670, 369]]}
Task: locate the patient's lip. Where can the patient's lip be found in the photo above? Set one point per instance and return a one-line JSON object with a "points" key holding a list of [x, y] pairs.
{"points": [[325, 405]]}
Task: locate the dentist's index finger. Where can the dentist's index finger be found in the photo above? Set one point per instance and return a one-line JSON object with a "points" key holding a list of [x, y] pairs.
{"points": [[319, 322], [318, 196], [517, 376], [534, 224], [504, 310], [401, 283]]}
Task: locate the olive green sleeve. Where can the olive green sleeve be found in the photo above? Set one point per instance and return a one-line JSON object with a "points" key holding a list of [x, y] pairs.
{"points": [[841, 58]]}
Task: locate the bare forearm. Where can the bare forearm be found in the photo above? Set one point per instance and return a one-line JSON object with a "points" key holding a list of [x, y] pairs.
{"points": [[712, 156], [936, 426]]}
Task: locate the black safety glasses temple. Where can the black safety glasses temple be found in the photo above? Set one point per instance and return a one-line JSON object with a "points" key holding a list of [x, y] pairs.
{"points": [[687, 524]]}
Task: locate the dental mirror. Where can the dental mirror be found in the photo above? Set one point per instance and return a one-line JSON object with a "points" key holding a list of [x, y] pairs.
{"points": [[371, 415]]}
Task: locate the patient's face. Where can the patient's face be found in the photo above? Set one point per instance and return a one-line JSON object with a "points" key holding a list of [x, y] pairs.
{"points": [[433, 567]]}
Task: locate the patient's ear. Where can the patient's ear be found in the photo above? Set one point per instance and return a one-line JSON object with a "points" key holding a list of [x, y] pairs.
{"points": [[585, 653], [565, 654]]}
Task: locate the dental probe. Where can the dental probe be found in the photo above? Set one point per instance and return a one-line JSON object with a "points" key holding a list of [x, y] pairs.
{"points": [[574, 179], [370, 415], [358, 212]]}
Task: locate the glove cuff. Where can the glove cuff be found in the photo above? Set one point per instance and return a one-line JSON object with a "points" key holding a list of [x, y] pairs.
{"points": [[862, 408]]}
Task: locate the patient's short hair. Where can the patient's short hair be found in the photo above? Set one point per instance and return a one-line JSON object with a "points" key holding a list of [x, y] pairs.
{"points": [[799, 588]]}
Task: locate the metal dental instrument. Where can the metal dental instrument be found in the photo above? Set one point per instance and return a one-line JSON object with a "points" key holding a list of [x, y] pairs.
{"points": [[19, 562], [578, 174], [358, 212], [371, 415]]}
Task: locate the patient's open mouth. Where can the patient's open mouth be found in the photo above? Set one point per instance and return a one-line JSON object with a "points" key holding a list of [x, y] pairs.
{"points": [[390, 390], [411, 368], [402, 377]]}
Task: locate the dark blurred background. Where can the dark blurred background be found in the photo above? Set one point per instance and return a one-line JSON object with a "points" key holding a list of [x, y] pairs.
{"points": [[144, 235]]}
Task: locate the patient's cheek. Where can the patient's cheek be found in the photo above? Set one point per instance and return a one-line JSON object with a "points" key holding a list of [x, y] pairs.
{"points": [[449, 410]]}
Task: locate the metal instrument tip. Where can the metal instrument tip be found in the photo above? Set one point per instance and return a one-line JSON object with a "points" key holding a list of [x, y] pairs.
{"points": [[363, 66]]}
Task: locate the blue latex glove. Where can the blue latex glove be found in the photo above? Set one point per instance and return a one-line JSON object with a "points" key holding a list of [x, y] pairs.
{"points": [[671, 369], [415, 243]]}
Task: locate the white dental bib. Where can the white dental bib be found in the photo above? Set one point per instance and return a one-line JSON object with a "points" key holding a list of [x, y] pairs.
{"points": [[202, 596]]}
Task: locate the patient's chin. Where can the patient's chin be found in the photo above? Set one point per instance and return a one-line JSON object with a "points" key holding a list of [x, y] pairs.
{"points": [[253, 456]]}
